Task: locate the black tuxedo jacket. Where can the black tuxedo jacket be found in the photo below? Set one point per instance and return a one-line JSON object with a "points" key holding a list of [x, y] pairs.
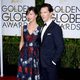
{"points": [[52, 45]]}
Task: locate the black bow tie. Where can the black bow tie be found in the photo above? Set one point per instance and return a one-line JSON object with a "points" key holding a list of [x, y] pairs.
{"points": [[44, 24]]}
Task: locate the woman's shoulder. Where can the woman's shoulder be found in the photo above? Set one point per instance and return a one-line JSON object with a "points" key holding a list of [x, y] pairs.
{"points": [[39, 28], [24, 26]]}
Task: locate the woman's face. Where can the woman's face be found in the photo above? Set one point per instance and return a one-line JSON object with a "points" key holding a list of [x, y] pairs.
{"points": [[31, 16]]}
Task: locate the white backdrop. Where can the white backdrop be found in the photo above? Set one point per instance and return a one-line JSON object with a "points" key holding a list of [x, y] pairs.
{"points": [[1, 57], [13, 15], [67, 15]]}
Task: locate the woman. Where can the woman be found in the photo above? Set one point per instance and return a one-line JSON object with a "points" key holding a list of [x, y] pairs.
{"points": [[28, 64]]}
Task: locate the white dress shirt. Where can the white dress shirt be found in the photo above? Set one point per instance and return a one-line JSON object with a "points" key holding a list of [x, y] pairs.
{"points": [[44, 28], [43, 31]]}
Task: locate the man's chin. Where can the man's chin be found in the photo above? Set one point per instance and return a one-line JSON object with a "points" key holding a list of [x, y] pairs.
{"points": [[44, 20]]}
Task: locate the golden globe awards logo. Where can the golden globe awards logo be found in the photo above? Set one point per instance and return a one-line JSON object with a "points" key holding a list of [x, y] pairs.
{"points": [[67, 14], [13, 15]]}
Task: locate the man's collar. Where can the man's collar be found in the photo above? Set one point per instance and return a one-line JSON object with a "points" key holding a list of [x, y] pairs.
{"points": [[48, 22]]}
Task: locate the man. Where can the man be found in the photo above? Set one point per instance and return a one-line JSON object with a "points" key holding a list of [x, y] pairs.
{"points": [[52, 44]]}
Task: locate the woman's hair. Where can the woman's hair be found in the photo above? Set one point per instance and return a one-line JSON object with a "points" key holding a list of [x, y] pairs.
{"points": [[31, 9]]}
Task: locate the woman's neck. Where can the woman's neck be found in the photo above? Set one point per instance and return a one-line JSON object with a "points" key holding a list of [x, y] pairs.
{"points": [[33, 23]]}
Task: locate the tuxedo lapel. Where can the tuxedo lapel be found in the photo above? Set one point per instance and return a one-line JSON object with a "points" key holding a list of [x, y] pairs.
{"points": [[47, 30]]}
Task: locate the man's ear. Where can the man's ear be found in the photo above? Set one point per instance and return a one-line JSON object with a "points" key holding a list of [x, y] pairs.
{"points": [[36, 16], [51, 13]]}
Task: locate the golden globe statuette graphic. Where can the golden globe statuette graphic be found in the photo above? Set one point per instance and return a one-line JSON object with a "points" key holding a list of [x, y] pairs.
{"points": [[61, 0], [13, 1]]}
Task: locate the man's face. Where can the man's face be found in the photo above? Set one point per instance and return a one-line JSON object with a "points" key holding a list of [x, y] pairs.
{"points": [[45, 14]]}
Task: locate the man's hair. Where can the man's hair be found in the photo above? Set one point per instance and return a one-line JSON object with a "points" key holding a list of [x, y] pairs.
{"points": [[50, 8]]}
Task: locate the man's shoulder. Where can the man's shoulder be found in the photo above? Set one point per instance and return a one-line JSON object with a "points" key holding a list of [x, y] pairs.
{"points": [[55, 26], [54, 23]]}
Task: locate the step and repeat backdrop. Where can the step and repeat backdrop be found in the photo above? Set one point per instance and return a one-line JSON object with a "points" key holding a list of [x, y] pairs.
{"points": [[12, 16], [67, 15]]}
